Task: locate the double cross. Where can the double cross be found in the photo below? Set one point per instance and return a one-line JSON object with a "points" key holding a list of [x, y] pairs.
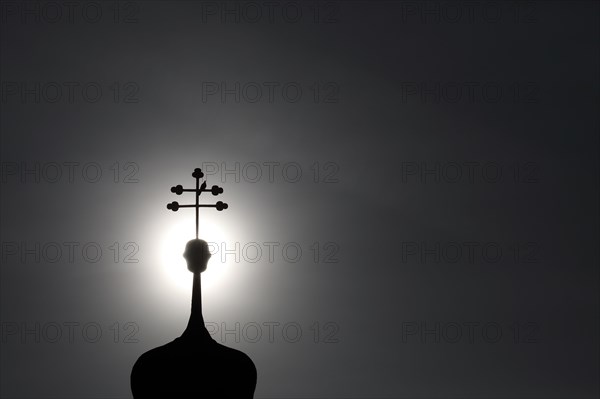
{"points": [[215, 190]]}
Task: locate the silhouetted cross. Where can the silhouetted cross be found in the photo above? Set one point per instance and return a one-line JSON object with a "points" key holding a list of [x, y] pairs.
{"points": [[215, 190]]}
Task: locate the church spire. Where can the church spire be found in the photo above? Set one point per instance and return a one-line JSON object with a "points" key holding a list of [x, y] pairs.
{"points": [[195, 328], [196, 253]]}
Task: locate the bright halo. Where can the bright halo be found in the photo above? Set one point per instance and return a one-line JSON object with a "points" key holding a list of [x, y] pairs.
{"points": [[173, 245]]}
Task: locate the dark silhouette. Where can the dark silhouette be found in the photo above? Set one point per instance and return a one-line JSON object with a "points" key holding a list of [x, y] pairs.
{"points": [[194, 365]]}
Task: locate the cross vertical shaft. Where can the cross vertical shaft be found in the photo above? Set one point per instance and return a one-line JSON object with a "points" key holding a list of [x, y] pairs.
{"points": [[197, 202]]}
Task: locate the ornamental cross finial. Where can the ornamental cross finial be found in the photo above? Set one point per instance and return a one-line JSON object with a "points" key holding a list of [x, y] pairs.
{"points": [[215, 190]]}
